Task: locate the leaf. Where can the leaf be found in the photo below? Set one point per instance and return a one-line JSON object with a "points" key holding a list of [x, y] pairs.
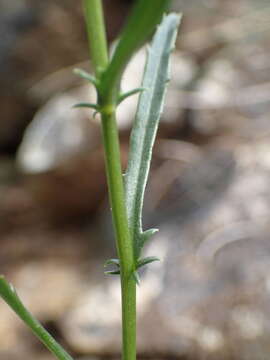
{"points": [[124, 96], [147, 260], [145, 126], [85, 75], [9, 295], [141, 23]]}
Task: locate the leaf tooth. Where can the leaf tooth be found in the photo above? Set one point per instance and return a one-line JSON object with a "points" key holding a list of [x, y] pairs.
{"points": [[112, 272], [85, 75], [146, 261], [136, 277], [127, 94], [87, 105], [112, 262], [145, 236]]}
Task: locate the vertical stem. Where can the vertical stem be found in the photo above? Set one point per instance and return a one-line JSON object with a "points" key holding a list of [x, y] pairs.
{"points": [[124, 245], [96, 34], [98, 47]]}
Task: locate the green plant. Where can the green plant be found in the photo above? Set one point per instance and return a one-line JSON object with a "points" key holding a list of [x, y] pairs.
{"points": [[126, 197]]}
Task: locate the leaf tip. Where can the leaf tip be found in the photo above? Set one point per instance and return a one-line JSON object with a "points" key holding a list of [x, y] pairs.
{"points": [[86, 76], [146, 261], [112, 272]]}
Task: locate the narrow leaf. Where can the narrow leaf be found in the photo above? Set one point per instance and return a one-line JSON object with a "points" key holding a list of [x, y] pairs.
{"points": [[141, 23], [147, 260], [9, 295], [146, 123], [124, 96], [85, 75]]}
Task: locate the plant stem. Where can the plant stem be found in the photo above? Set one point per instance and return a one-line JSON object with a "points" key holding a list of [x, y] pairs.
{"points": [[96, 34], [124, 246], [107, 102]]}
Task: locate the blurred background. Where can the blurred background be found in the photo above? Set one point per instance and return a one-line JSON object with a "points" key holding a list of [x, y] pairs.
{"points": [[208, 193]]}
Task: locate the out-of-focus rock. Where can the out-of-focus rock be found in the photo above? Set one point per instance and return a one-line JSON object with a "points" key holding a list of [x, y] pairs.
{"points": [[62, 157], [37, 39], [57, 133]]}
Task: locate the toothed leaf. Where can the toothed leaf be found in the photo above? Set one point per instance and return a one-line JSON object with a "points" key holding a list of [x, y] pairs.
{"points": [[136, 277], [145, 127], [85, 75], [87, 105], [124, 96], [147, 260]]}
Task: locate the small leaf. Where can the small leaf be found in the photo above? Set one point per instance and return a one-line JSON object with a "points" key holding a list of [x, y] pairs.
{"points": [[85, 75], [112, 272], [145, 126], [147, 260], [124, 96], [136, 277], [87, 105], [112, 262]]}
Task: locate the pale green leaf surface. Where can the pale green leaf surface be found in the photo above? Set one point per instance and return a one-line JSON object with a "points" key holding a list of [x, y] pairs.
{"points": [[143, 134]]}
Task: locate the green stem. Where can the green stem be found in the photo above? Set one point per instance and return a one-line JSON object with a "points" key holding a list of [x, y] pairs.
{"points": [[124, 245], [96, 34], [10, 296], [107, 102]]}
